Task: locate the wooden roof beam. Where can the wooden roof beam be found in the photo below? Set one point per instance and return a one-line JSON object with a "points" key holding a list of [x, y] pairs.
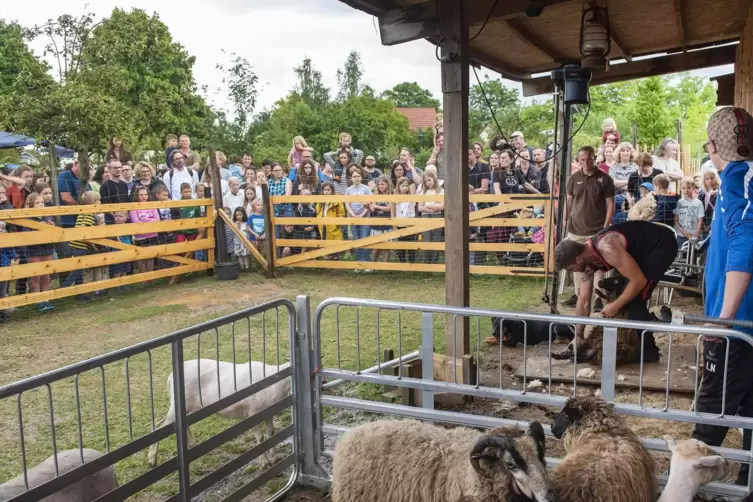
{"points": [[507, 70], [662, 65], [680, 20], [525, 35], [397, 26], [617, 40]]}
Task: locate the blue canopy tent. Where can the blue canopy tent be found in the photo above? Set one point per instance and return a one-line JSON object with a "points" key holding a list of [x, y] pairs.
{"points": [[10, 140]]}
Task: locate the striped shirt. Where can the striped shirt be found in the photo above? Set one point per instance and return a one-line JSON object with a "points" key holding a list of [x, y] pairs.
{"points": [[83, 220]]}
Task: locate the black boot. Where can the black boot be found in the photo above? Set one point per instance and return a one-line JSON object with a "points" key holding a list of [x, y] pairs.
{"points": [[571, 302]]}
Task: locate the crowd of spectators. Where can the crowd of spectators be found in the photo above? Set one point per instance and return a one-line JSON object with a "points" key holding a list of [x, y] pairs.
{"points": [[597, 195]]}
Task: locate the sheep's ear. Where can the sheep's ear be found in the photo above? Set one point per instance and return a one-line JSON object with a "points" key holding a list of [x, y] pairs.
{"points": [[536, 431], [710, 461], [670, 442]]}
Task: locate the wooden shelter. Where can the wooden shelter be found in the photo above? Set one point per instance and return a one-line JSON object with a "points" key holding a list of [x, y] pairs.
{"points": [[521, 39]]}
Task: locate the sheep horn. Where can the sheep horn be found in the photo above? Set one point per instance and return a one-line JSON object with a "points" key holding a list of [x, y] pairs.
{"points": [[483, 443]]}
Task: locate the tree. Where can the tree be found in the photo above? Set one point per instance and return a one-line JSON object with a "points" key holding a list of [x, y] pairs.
{"points": [[538, 123], [411, 95], [505, 103], [310, 86], [349, 78], [652, 114], [132, 57], [20, 70]]}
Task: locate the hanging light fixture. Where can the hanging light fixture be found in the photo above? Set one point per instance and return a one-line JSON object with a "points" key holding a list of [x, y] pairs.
{"points": [[595, 41]]}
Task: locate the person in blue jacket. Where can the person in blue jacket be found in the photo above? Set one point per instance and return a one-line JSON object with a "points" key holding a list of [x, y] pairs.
{"points": [[729, 265]]}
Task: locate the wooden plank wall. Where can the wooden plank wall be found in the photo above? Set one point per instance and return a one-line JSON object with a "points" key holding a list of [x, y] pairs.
{"points": [[316, 252], [111, 249], [744, 66]]}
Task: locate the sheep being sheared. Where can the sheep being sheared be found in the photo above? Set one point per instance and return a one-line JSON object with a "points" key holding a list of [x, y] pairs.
{"points": [[693, 465], [90, 488], [628, 340], [605, 460], [644, 209], [412, 461], [244, 408]]}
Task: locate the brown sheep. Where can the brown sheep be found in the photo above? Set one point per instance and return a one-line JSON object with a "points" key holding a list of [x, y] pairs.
{"points": [[605, 460], [412, 461], [590, 349]]}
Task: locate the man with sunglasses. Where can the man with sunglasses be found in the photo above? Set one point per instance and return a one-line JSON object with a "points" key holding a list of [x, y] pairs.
{"points": [[728, 372]]}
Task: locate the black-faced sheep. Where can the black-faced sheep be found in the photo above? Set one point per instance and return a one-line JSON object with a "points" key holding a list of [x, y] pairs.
{"points": [[628, 340], [511, 332], [693, 465], [89, 488], [411, 461], [242, 409], [605, 460]]}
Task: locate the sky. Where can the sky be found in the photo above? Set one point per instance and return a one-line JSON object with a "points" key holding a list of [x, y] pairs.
{"points": [[275, 36]]}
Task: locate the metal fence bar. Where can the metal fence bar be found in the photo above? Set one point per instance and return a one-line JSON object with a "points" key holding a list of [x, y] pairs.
{"points": [[181, 425], [427, 356], [608, 364], [398, 361], [307, 413]]}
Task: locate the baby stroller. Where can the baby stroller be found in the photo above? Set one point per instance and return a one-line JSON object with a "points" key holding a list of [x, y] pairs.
{"points": [[533, 235]]}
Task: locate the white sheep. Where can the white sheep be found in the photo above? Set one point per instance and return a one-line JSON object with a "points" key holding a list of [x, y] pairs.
{"points": [[242, 409], [411, 461], [89, 488], [693, 465]]}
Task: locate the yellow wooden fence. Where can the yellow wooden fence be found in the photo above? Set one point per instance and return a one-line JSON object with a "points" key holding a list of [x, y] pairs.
{"points": [[316, 252], [106, 237]]}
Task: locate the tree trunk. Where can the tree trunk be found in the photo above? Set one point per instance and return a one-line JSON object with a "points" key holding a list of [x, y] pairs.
{"points": [[84, 169]]}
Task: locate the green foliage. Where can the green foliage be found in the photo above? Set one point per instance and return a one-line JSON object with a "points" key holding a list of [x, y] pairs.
{"points": [[652, 114], [538, 123], [504, 101], [132, 57], [411, 95], [376, 127], [349, 78], [310, 86]]}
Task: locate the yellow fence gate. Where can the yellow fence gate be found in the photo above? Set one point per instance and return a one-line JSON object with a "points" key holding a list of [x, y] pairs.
{"points": [[30, 229], [510, 235]]}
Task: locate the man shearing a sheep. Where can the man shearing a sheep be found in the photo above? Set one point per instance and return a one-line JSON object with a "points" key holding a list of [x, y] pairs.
{"points": [[640, 251]]}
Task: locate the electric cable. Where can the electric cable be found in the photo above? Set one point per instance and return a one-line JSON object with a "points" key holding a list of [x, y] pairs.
{"points": [[514, 151]]}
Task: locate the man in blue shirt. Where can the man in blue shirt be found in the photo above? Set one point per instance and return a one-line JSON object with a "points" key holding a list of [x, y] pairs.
{"points": [[729, 265], [68, 186]]}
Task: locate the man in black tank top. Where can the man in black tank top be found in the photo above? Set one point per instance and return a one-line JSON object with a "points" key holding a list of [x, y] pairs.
{"points": [[641, 251]]}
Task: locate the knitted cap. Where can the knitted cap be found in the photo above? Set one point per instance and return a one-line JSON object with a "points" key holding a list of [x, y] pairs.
{"points": [[731, 130]]}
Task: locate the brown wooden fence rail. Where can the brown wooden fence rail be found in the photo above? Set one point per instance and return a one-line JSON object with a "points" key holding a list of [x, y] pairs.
{"points": [[113, 251], [493, 255]]}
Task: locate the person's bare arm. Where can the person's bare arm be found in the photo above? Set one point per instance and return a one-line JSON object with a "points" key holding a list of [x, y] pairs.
{"points": [[13, 179], [568, 209], [610, 212], [484, 186], [68, 198], [529, 188], [699, 228], [675, 175], [613, 251]]}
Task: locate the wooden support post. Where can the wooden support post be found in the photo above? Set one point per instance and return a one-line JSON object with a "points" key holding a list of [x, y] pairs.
{"points": [[270, 248], [455, 88], [219, 223]]}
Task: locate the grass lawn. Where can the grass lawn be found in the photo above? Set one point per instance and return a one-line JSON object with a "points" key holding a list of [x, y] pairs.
{"points": [[37, 343]]}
